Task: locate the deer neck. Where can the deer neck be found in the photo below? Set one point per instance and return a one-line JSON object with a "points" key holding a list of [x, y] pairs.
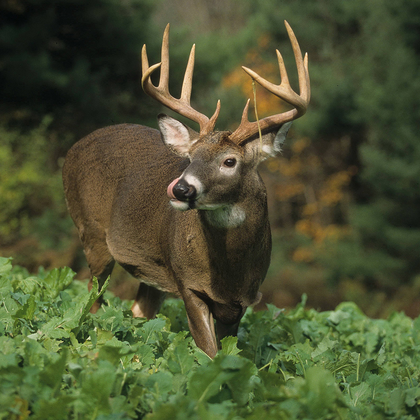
{"points": [[247, 214], [225, 217]]}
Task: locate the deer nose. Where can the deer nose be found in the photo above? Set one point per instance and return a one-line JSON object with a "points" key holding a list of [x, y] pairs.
{"points": [[184, 191]]}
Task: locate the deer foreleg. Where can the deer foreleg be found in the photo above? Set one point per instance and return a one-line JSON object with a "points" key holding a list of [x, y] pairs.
{"points": [[200, 321], [227, 318], [224, 330]]}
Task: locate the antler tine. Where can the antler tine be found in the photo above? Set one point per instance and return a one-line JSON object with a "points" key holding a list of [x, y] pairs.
{"points": [[161, 92], [164, 71], [283, 72], [308, 82], [301, 64], [244, 118], [187, 83], [213, 119], [284, 91]]}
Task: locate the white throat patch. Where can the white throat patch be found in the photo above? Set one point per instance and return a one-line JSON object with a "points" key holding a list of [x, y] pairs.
{"points": [[226, 216]]}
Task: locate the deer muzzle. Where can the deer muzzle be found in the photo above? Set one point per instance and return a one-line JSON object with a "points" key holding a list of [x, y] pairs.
{"points": [[179, 189]]}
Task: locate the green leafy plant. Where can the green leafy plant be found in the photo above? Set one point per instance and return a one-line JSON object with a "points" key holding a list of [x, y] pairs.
{"points": [[59, 361]]}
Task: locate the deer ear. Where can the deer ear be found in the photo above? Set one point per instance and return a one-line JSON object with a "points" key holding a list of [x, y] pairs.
{"points": [[177, 136], [273, 146], [271, 143]]}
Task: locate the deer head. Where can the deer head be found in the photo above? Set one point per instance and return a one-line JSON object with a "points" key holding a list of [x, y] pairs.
{"points": [[225, 155]]}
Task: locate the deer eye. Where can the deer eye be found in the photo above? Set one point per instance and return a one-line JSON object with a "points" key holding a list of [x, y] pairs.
{"points": [[230, 163]]}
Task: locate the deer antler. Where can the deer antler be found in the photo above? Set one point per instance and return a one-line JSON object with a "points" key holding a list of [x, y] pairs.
{"points": [[161, 92], [284, 91]]}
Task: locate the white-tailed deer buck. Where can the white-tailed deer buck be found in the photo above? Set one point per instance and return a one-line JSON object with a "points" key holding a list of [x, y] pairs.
{"points": [[187, 215]]}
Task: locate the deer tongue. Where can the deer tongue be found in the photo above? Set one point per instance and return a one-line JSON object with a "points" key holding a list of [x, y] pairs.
{"points": [[170, 189]]}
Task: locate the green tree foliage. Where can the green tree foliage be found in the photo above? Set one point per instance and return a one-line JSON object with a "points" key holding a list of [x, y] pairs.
{"points": [[77, 61], [364, 62], [28, 185], [66, 68]]}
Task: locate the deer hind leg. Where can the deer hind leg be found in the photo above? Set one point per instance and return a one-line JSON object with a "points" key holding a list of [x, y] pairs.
{"points": [[101, 264], [147, 302]]}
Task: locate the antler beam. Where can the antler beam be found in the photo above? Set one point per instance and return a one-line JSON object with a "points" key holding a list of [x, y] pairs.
{"points": [[161, 92], [284, 91]]}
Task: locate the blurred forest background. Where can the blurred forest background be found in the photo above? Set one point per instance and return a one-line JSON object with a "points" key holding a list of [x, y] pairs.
{"points": [[344, 195]]}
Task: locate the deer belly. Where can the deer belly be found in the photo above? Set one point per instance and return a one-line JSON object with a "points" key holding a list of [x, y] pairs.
{"points": [[145, 265], [152, 276]]}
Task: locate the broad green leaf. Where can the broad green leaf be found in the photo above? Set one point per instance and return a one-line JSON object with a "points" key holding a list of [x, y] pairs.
{"points": [[180, 409], [8, 360], [5, 266], [207, 381], [57, 280], [240, 384], [345, 363], [160, 382], [178, 355], [97, 383], [114, 351], [230, 346], [257, 340], [412, 397], [5, 286], [28, 308], [148, 332], [322, 393], [29, 285], [75, 316], [326, 345], [337, 316], [233, 371], [52, 408], [61, 326], [269, 387], [52, 373], [145, 355], [360, 393]]}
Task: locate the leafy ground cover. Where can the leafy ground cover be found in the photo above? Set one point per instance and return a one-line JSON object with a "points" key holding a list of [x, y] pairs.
{"points": [[58, 361]]}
